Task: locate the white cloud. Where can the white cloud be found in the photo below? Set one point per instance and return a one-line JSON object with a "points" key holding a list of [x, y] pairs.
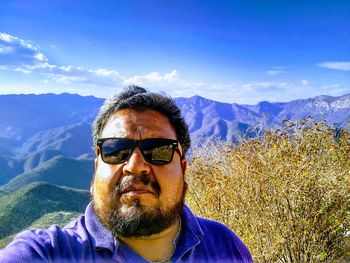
{"points": [[274, 72], [154, 78], [40, 57], [68, 80], [7, 37], [265, 86], [334, 89], [331, 86], [106, 73], [172, 76], [22, 56], [337, 65], [305, 82], [6, 50], [79, 75]]}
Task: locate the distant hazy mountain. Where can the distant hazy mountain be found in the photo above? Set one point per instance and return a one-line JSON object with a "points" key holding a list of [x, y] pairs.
{"points": [[9, 168], [37, 158], [20, 209], [7, 145], [31, 123], [22, 116], [208, 119], [71, 140], [332, 109], [58, 170], [35, 128]]}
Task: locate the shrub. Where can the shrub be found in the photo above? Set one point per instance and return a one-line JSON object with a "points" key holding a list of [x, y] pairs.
{"points": [[286, 194]]}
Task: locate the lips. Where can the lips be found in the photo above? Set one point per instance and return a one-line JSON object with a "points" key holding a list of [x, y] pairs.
{"points": [[137, 190]]}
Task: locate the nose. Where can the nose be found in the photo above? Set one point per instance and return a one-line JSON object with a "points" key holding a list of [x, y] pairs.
{"points": [[136, 164]]}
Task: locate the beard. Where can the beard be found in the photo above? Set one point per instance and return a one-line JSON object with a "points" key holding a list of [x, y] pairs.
{"points": [[138, 220]]}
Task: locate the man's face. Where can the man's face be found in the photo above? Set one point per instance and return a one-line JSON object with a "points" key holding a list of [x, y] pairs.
{"points": [[136, 198]]}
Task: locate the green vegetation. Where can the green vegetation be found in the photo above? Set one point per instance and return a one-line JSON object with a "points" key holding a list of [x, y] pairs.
{"points": [[22, 208], [5, 241], [58, 170], [287, 195], [60, 218], [2, 193]]}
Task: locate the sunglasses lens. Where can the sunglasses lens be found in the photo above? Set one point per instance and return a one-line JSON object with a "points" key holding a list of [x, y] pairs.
{"points": [[158, 151], [155, 151], [115, 151]]}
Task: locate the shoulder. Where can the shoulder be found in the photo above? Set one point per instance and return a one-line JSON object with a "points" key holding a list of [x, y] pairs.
{"points": [[44, 244], [222, 238], [30, 246], [210, 227]]}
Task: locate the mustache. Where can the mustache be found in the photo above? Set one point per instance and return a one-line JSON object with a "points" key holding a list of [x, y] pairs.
{"points": [[132, 179]]}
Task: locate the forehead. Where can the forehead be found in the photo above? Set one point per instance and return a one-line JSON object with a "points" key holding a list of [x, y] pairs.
{"points": [[138, 125]]}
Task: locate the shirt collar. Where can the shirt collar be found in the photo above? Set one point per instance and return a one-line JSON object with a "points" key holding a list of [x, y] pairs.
{"points": [[190, 235], [101, 236], [189, 219]]}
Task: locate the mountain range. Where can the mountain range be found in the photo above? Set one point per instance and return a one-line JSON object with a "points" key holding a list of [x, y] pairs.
{"points": [[208, 119], [36, 128], [32, 123]]}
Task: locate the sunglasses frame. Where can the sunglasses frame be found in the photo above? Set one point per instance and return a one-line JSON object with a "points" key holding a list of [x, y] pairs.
{"points": [[139, 143]]}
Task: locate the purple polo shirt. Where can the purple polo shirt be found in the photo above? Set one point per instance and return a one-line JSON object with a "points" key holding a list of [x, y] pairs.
{"points": [[86, 240]]}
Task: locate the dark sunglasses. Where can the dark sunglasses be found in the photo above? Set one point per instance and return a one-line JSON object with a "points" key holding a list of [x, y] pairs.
{"points": [[156, 151]]}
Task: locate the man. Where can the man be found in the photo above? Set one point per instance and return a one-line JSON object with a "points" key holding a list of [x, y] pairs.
{"points": [[137, 213]]}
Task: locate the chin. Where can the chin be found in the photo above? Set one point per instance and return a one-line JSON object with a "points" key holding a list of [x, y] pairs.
{"points": [[137, 219]]}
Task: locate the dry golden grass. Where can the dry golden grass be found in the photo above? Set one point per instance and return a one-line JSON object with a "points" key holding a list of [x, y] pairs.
{"points": [[287, 195]]}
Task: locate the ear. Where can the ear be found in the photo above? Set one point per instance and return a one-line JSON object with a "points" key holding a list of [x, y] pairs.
{"points": [[184, 165], [96, 165], [97, 152], [92, 189]]}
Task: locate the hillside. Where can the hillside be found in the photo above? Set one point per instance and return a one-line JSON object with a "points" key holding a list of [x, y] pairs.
{"points": [[2, 193], [22, 208], [37, 158], [58, 170], [9, 168], [71, 140], [60, 218]]}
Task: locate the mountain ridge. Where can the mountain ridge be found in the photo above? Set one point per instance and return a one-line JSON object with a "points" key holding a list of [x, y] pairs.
{"points": [[24, 206], [58, 170], [35, 128]]}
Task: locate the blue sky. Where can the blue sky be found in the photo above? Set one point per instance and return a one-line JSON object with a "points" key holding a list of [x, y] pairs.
{"points": [[230, 51]]}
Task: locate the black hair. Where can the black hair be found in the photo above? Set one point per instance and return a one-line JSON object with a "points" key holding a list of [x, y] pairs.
{"points": [[139, 99]]}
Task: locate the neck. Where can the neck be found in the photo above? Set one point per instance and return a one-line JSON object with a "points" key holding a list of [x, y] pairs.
{"points": [[156, 247]]}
